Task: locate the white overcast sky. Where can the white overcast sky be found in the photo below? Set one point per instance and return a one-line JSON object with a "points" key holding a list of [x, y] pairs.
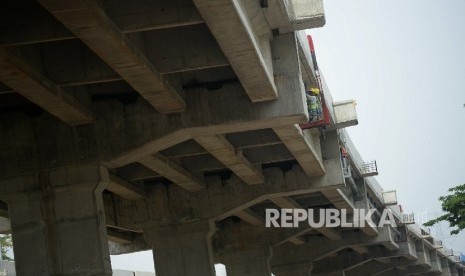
{"points": [[404, 64]]}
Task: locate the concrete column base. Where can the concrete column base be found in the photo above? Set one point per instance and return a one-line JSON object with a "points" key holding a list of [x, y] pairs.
{"points": [[58, 224], [253, 261], [183, 249]]}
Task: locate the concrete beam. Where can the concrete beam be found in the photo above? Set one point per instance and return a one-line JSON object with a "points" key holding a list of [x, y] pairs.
{"points": [[293, 15], [137, 130], [38, 26], [247, 50], [329, 233], [305, 146], [257, 156], [23, 78], [119, 237], [152, 15], [125, 189], [172, 171], [221, 149], [375, 267], [93, 26], [289, 203], [241, 140], [294, 235], [316, 249], [227, 111], [277, 184], [220, 199], [347, 261], [339, 200], [136, 245], [360, 249], [170, 52], [249, 217], [379, 260]]}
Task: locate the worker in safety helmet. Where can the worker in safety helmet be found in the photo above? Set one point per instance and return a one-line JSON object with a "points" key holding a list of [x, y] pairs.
{"points": [[314, 104]]}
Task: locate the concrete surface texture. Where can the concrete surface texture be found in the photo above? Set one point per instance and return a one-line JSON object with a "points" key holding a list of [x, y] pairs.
{"points": [[173, 126]]}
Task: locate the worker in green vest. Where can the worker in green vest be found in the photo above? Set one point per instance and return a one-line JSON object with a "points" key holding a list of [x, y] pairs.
{"points": [[314, 104]]}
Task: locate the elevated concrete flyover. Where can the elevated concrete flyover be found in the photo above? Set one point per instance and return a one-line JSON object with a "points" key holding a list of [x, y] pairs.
{"points": [[173, 126]]}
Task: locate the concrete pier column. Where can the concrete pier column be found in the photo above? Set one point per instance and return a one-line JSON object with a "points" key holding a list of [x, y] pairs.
{"points": [[454, 271], [58, 223], [251, 261], [182, 249], [445, 267], [298, 269]]}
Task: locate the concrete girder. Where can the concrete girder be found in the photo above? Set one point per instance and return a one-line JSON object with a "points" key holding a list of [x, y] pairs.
{"points": [[125, 189], [224, 116], [257, 235], [184, 49], [241, 141], [350, 261], [339, 200], [92, 25], [287, 254], [152, 15], [221, 149], [172, 171], [288, 203], [422, 264], [250, 217], [220, 199], [305, 146], [137, 244], [39, 26], [374, 267], [257, 156], [374, 260], [245, 41], [168, 51], [360, 249], [119, 237], [138, 131], [293, 15], [40, 90]]}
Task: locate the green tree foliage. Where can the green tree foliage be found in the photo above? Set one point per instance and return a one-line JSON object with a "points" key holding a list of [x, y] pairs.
{"points": [[6, 243], [454, 207]]}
